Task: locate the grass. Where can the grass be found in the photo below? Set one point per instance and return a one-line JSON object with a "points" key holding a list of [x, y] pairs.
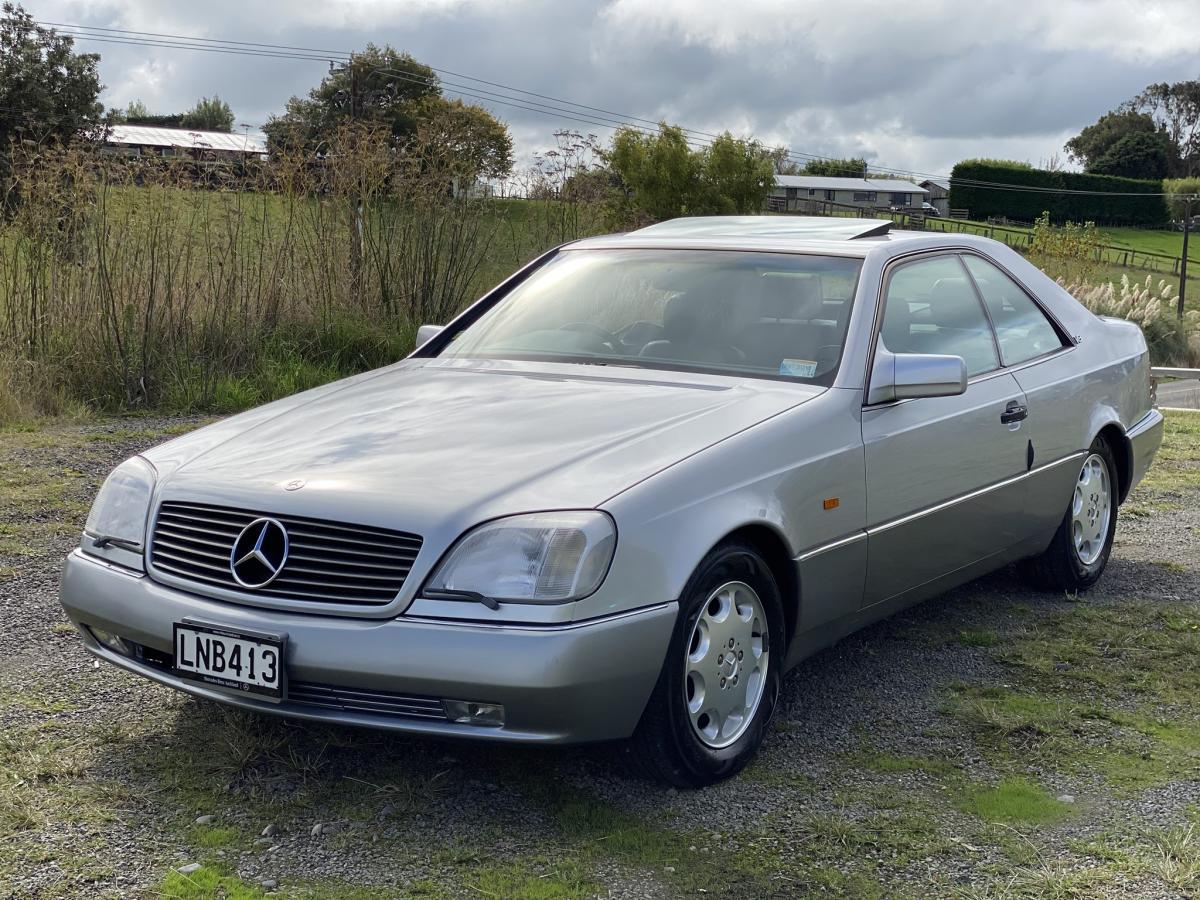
{"points": [[885, 763], [1142, 240], [1017, 801], [1177, 466], [563, 878], [206, 883]]}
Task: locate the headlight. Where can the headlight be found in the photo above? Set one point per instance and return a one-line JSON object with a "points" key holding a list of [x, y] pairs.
{"points": [[118, 516], [538, 558]]}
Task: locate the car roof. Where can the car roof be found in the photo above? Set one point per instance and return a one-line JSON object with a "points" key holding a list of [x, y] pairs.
{"points": [[831, 235], [826, 228]]}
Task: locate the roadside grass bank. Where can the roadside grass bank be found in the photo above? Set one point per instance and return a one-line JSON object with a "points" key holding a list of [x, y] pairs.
{"points": [[996, 742]]}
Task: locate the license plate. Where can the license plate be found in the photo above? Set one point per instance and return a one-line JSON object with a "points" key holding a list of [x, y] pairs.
{"points": [[234, 660]]}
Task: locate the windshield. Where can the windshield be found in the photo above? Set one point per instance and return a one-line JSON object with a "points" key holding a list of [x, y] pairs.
{"points": [[767, 315]]}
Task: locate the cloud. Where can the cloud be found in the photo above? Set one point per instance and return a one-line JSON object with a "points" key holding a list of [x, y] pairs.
{"points": [[916, 86]]}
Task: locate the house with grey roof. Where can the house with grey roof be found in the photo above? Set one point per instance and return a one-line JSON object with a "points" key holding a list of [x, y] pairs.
{"points": [[810, 193]]}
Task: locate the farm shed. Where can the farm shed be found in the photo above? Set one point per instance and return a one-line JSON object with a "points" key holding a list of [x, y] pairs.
{"points": [[143, 140], [939, 194]]}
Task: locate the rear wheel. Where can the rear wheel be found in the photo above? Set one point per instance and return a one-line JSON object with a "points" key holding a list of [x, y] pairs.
{"points": [[720, 681], [1077, 555]]}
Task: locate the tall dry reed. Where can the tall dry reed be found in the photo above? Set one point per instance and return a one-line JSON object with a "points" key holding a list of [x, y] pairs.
{"points": [[1151, 305], [159, 283]]}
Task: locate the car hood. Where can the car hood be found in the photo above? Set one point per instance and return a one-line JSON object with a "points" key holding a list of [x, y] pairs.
{"points": [[432, 441]]}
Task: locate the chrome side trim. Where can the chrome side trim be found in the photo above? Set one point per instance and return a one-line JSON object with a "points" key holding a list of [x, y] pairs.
{"points": [[116, 568], [832, 545], [946, 504], [534, 626], [1145, 423]]}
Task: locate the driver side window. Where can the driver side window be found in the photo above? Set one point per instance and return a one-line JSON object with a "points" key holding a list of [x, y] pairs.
{"points": [[931, 307]]}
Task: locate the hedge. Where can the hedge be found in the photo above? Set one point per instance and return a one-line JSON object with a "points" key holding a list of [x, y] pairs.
{"points": [[983, 202]]}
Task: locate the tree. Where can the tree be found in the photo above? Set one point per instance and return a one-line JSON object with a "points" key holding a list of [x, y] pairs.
{"points": [[47, 91], [135, 110], [659, 171], [1183, 202], [736, 175], [473, 143], [378, 86], [1135, 156], [209, 115], [382, 87], [1127, 143], [854, 167], [1175, 109], [781, 158], [664, 177]]}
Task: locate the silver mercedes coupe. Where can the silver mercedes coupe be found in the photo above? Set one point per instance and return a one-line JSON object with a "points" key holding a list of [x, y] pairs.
{"points": [[628, 489]]}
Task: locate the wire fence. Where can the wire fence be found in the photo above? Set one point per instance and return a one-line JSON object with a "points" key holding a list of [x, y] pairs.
{"points": [[1018, 238]]}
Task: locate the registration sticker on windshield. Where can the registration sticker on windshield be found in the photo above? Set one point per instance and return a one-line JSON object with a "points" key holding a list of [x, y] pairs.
{"points": [[800, 368]]}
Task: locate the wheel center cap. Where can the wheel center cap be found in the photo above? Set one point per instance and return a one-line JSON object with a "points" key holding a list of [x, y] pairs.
{"points": [[729, 665]]}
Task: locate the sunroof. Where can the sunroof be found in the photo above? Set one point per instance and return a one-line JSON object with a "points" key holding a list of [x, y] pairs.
{"points": [[812, 227]]}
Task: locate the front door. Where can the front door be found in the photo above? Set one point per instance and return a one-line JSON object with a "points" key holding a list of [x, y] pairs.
{"points": [[944, 475]]}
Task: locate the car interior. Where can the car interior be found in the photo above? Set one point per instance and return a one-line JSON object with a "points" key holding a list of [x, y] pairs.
{"points": [[787, 320], [777, 323], [947, 319]]}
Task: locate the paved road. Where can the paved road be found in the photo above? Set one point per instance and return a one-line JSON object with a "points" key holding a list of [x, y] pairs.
{"points": [[1182, 394]]}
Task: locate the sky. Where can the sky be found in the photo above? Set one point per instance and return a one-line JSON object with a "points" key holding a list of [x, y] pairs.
{"points": [[916, 85]]}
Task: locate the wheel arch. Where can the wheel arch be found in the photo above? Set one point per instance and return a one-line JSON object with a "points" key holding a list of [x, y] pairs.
{"points": [[1122, 450], [774, 549]]}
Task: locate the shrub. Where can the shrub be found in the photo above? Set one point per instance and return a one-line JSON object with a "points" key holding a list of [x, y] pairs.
{"points": [[1124, 207], [1073, 247], [1151, 306]]}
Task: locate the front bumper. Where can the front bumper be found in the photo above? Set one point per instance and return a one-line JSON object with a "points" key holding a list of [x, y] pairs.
{"points": [[574, 683]]}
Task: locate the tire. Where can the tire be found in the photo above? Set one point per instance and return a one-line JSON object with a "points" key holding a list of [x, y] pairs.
{"points": [[1067, 564], [676, 740]]}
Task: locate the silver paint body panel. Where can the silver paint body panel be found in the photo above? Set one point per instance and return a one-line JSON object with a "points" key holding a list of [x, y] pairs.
{"points": [[929, 493]]}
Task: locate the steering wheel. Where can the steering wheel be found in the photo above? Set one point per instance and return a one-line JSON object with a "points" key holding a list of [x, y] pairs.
{"points": [[827, 353], [606, 337]]}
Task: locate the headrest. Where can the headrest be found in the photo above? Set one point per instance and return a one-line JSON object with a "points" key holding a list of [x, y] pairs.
{"points": [[952, 304], [698, 316], [787, 297], [897, 325]]}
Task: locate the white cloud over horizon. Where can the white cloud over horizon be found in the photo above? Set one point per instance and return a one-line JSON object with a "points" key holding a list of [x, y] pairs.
{"points": [[916, 87]]}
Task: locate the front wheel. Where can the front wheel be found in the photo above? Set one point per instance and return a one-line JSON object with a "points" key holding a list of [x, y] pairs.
{"points": [[720, 681], [1077, 555]]}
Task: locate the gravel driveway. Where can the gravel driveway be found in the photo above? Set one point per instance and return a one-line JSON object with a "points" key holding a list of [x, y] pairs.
{"points": [[995, 742]]}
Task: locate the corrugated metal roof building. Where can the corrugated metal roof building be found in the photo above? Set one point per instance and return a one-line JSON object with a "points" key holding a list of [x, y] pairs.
{"points": [[144, 140], [808, 192]]}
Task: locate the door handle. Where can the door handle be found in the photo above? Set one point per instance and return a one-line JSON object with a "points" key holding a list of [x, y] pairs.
{"points": [[1014, 412]]}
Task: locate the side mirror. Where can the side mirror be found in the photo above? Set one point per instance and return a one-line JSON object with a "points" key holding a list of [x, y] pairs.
{"points": [[908, 376], [426, 333]]}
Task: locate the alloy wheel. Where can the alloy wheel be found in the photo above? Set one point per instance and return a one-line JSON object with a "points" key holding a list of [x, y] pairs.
{"points": [[1091, 509], [725, 667]]}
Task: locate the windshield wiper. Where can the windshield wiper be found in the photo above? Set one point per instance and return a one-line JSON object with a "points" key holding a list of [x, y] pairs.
{"points": [[108, 540], [439, 594]]}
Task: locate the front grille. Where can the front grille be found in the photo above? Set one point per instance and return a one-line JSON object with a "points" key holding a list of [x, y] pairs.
{"points": [[328, 562], [331, 696]]}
